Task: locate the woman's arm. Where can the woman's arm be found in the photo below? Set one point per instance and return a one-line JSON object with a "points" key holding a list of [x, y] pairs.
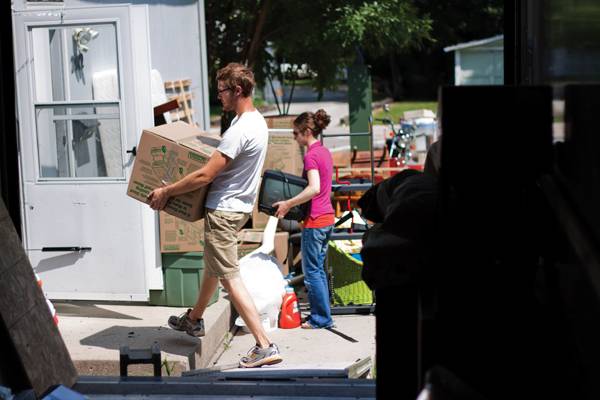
{"points": [[158, 197], [310, 191]]}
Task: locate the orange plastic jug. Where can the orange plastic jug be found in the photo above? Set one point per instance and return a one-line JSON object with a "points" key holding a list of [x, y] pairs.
{"points": [[290, 314]]}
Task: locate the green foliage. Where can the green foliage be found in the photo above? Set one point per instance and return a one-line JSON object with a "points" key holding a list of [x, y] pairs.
{"points": [[326, 35], [228, 23], [169, 367], [397, 109], [418, 72], [323, 34], [402, 40], [456, 21], [379, 26]]}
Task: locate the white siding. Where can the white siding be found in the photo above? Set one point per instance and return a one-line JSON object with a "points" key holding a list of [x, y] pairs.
{"points": [[481, 67]]}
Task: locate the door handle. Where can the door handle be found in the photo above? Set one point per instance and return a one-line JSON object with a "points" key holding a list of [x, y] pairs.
{"points": [[69, 248], [133, 151]]}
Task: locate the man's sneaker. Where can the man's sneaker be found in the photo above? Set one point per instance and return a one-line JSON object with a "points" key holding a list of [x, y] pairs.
{"points": [[185, 324], [257, 357]]}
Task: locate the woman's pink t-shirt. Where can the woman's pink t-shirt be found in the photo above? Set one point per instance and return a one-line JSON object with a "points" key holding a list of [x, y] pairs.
{"points": [[318, 157]]}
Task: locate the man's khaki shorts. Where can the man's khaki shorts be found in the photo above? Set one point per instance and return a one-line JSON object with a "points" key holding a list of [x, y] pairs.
{"points": [[220, 242]]}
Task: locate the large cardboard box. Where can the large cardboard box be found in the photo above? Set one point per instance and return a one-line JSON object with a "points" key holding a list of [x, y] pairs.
{"points": [[166, 154], [246, 248], [284, 154], [247, 237], [280, 121], [179, 236]]}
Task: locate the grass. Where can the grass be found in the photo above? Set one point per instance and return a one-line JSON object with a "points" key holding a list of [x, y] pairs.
{"points": [[227, 341], [397, 109]]}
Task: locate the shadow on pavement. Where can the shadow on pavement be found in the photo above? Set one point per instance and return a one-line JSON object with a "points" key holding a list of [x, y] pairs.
{"points": [[170, 341], [88, 310]]}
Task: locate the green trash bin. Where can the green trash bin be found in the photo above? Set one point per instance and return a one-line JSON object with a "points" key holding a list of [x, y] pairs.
{"points": [[182, 275]]}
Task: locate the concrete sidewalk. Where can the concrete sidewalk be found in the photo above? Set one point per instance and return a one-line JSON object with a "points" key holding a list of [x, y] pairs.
{"points": [[93, 333], [352, 339]]}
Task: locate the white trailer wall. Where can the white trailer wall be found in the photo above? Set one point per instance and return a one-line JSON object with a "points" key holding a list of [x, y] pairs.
{"points": [[177, 42]]}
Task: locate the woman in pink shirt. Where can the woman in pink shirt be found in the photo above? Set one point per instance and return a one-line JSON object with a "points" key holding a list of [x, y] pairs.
{"points": [[318, 169]]}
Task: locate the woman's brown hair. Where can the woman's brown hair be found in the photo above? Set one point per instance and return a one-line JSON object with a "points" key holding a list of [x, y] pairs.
{"points": [[316, 122]]}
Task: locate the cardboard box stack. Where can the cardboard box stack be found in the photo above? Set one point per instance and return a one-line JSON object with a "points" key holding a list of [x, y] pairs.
{"points": [[246, 248], [179, 236], [280, 121], [169, 152], [166, 154], [283, 154]]}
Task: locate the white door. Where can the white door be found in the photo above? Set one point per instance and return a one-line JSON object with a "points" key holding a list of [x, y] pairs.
{"points": [[77, 117]]}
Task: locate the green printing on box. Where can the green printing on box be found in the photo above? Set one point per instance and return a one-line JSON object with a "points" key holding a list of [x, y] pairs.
{"points": [[182, 273], [348, 286]]}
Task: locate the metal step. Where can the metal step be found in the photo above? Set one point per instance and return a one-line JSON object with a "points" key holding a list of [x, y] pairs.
{"points": [[113, 388]]}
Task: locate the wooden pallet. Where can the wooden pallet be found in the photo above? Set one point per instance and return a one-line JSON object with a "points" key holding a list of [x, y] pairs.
{"points": [[32, 351], [180, 90]]}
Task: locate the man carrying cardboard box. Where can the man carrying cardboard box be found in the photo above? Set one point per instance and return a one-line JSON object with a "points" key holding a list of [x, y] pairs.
{"points": [[234, 171]]}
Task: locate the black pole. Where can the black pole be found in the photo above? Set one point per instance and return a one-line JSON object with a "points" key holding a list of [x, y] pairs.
{"points": [[289, 102], [9, 165], [512, 41]]}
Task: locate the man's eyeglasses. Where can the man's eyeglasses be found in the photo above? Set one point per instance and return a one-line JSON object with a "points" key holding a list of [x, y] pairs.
{"points": [[223, 90]]}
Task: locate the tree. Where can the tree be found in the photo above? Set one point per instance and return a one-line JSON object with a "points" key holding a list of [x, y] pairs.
{"points": [[229, 24], [323, 34], [410, 73]]}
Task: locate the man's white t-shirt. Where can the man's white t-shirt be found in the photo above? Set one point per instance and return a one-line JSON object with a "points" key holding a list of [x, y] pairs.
{"points": [[245, 143]]}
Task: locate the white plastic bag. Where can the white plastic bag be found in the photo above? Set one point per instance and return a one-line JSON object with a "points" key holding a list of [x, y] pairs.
{"points": [[262, 277], [263, 280]]}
